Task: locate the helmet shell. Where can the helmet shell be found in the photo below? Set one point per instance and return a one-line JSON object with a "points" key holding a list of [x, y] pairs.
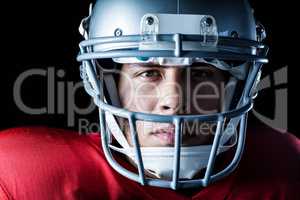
{"points": [[234, 18]]}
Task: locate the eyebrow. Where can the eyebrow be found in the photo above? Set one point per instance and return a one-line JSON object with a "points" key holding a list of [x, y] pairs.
{"points": [[133, 67], [137, 66], [146, 65]]}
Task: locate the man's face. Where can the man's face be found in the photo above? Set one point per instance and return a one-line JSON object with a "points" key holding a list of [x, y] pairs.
{"points": [[171, 91]]}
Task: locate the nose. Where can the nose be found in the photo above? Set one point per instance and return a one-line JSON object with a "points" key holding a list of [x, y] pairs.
{"points": [[170, 105], [171, 98]]}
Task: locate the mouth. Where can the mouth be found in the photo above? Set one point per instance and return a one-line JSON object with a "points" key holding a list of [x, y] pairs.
{"points": [[166, 135]]}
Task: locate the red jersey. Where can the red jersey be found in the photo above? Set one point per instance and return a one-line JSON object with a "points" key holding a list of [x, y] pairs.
{"points": [[42, 163]]}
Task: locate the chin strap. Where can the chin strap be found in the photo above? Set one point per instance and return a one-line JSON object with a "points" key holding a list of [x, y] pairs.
{"points": [[112, 90], [115, 130]]}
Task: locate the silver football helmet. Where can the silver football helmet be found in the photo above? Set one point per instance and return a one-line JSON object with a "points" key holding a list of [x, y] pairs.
{"points": [[222, 34]]}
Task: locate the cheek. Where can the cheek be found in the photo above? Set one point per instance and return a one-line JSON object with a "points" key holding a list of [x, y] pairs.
{"points": [[138, 96], [146, 96], [206, 99], [126, 93]]}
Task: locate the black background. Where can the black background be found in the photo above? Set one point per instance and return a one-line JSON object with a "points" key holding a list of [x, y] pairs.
{"points": [[41, 34]]}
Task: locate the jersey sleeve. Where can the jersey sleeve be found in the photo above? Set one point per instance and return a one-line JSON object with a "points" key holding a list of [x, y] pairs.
{"points": [[43, 163]]}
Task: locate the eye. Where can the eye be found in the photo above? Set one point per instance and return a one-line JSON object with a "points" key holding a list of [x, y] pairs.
{"points": [[151, 75]]}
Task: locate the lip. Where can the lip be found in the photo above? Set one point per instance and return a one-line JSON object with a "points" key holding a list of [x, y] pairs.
{"points": [[166, 138], [165, 135]]}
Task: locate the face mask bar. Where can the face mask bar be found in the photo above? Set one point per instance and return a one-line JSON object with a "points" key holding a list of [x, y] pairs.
{"points": [[172, 45]]}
